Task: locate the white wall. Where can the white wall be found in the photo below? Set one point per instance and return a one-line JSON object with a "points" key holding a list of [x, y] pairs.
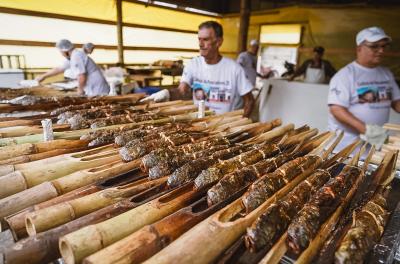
{"points": [[299, 103]]}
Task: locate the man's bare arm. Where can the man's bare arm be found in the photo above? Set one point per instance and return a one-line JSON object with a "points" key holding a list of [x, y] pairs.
{"points": [[50, 73], [248, 104], [343, 115], [182, 92], [396, 106], [81, 83]]}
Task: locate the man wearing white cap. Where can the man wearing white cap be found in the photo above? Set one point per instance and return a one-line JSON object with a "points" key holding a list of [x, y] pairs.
{"points": [[361, 93], [88, 48], [248, 60], [91, 81]]}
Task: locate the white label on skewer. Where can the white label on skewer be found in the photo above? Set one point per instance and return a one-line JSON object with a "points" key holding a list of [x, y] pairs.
{"points": [[202, 109], [47, 130]]}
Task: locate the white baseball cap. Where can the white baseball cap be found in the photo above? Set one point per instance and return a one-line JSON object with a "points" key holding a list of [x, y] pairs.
{"points": [[64, 45], [371, 34], [253, 42]]}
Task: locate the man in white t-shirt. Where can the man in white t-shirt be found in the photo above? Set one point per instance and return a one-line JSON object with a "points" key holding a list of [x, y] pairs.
{"points": [[219, 81], [361, 93], [91, 81], [248, 60]]}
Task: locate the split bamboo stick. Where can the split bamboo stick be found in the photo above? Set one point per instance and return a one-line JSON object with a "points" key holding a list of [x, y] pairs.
{"points": [[43, 247], [59, 214], [20, 180], [28, 148], [204, 242], [47, 190], [150, 239], [323, 233], [16, 221], [75, 246], [76, 134], [39, 156], [18, 131], [5, 169]]}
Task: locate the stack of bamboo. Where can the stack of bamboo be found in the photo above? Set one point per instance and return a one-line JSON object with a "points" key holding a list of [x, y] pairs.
{"points": [[392, 144], [165, 189]]}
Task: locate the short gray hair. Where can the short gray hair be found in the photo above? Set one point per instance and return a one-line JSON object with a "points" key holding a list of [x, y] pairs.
{"points": [[64, 45]]}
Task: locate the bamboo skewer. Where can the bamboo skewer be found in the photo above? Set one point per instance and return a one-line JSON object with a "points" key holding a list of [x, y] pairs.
{"points": [[59, 214], [76, 134], [18, 181], [75, 246], [150, 239], [39, 156], [66, 184], [329, 225], [10, 152], [16, 222], [219, 231], [43, 247], [279, 249]]}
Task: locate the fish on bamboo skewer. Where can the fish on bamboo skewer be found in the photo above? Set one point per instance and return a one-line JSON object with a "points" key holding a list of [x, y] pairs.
{"points": [[369, 222], [267, 229], [323, 233], [214, 173], [191, 170], [234, 181], [268, 184], [88, 105], [92, 113], [307, 222], [43, 247], [215, 152], [150, 239], [205, 241], [267, 150], [164, 154], [366, 230], [138, 148], [74, 246], [363, 194], [123, 138], [78, 133], [101, 119]]}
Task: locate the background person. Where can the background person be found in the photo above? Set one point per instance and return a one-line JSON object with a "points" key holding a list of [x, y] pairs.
{"points": [[315, 70], [355, 105], [90, 78]]}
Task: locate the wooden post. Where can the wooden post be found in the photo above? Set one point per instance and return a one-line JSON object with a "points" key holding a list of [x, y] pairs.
{"points": [[120, 35], [244, 24]]}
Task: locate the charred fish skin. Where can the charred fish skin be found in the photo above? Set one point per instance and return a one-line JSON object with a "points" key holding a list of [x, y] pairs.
{"points": [[267, 229], [308, 221], [228, 184], [270, 183], [367, 228], [233, 182], [155, 156], [167, 166], [190, 170], [214, 174]]}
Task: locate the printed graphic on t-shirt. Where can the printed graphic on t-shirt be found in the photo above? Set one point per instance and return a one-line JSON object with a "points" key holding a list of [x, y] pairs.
{"points": [[210, 91], [374, 92]]}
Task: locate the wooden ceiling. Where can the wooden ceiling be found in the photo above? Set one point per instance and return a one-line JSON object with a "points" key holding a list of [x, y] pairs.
{"points": [[233, 6]]}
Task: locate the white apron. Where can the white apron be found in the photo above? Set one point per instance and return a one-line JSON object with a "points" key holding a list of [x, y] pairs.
{"points": [[314, 75]]}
